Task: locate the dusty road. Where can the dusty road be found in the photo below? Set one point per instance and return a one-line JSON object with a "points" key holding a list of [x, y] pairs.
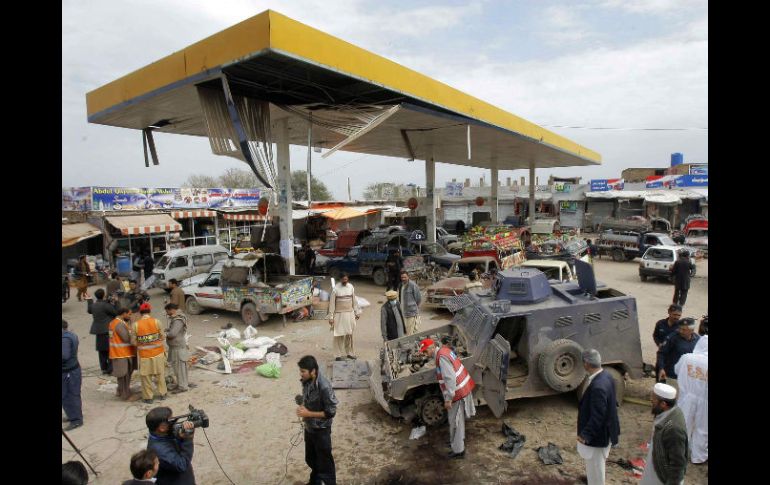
{"points": [[252, 417]]}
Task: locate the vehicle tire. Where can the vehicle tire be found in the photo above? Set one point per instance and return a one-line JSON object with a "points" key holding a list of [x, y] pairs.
{"points": [[618, 255], [432, 411], [617, 377], [378, 275], [561, 365], [335, 272], [250, 315], [630, 257], [643, 277], [192, 307]]}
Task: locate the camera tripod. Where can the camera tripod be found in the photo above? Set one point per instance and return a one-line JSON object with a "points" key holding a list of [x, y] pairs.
{"points": [[78, 452]]}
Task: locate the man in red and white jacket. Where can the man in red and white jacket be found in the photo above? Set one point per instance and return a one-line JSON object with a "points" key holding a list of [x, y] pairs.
{"points": [[457, 389]]}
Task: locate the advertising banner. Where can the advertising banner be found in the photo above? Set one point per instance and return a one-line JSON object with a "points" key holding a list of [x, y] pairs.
{"points": [[229, 198], [453, 189], [603, 185], [76, 198], [699, 170], [134, 198], [661, 181], [564, 187], [568, 205], [693, 181], [121, 199]]}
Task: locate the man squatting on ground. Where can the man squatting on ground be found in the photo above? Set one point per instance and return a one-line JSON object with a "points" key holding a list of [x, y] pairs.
{"points": [[319, 405], [456, 389], [598, 425], [343, 313], [175, 453]]}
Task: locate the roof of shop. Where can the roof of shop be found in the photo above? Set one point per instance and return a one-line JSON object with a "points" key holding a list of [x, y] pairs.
{"points": [[72, 234], [662, 196], [144, 224], [272, 57]]}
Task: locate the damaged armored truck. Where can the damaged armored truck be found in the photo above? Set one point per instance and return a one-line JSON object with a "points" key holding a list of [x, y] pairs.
{"points": [[522, 338]]}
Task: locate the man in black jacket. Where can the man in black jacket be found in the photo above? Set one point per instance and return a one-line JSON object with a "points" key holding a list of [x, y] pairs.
{"points": [[682, 270], [319, 405], [175, 453], [103, 313], [598, 424]]}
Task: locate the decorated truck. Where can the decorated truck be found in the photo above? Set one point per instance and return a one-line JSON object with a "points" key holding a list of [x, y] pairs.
{"points": [[504, 243], [256, 286]]}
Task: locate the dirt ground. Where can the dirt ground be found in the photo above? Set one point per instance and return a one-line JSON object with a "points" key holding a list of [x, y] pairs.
{"points": [[252, 418]]}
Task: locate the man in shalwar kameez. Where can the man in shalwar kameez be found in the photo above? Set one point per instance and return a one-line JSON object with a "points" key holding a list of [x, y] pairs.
{"points": [[343, 313], [693, 372]]}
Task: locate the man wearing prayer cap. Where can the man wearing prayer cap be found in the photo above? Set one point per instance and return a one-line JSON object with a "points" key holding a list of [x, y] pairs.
{"points": [[693, 372], [669, 449], [675, 346], [392, 317]]}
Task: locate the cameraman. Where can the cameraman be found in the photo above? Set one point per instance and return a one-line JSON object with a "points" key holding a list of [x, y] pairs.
{"points": [[174, 452], [319, 405]]}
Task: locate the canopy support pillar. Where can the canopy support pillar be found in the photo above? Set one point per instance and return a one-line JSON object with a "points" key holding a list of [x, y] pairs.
{"points": [[531, 193], [430, 198], [286, 224], [493, 198]]}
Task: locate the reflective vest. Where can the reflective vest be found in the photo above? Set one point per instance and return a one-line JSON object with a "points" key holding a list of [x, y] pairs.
{"points": [[148, 340], [463, 381], [119, 349]]}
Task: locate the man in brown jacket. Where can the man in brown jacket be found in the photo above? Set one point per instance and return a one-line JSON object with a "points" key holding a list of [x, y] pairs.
{"points": [[177, 295], [177, 347]]}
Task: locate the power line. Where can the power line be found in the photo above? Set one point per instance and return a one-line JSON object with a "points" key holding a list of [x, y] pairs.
{"points": [[625, 129]]}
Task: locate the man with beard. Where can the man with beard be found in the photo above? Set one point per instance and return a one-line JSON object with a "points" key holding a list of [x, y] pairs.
{"points": [[122, 353], [317, 410], [343, 314], [391, 317], [668, 453], [178, 353]]}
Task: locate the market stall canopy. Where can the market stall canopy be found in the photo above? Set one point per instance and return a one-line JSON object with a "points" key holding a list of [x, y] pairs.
{"points": [[355, 98], [72, 234], [193, 214], [144, 224], [347, 213]]}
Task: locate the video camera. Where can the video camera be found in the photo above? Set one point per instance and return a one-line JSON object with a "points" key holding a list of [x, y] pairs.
{"points": [[196, 416]]}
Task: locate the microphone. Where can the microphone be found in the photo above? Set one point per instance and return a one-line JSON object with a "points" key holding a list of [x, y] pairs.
{"points": [[299, 399]]}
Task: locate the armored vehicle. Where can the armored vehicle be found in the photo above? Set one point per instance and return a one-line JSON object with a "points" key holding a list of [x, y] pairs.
{"points": [[522, 338]]}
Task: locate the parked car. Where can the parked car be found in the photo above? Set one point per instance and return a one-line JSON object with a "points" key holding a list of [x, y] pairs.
{"points": [[658, 261], [437, 294], [523, 339], [557, 249], [368, 259], [186, 262], [444, 238], [698, 238], [342, 244], [555, 270], [627, 245], [433, 252]]}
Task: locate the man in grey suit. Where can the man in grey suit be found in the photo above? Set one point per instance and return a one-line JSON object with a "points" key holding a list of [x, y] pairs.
{"points": [[409, 294]]}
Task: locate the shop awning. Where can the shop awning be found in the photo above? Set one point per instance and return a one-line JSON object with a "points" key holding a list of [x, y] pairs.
{"points": [[192, 214], [243, 217], [72, 234], [144, 224], [346, 213]]}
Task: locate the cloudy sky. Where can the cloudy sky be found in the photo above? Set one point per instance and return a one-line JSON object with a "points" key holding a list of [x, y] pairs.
{"points": [[593, 63]]}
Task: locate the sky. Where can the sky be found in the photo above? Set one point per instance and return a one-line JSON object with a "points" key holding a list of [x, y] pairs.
{"points": [[625, 64]]}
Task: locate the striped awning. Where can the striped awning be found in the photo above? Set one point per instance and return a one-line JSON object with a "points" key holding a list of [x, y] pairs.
{"points": [[243, 217], [192, 214], [144, 224], [72, 234]]}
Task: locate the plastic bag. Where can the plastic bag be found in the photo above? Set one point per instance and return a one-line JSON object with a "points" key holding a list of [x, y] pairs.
{"points": [[258, 342], [362, 302], [550, 454], [417, 433], [249, 332], [269, 370], [514, 441], [234, 353], [278, 348], [223, 342], [273, 358], [323, 295], [254, 354], [230, 333]]}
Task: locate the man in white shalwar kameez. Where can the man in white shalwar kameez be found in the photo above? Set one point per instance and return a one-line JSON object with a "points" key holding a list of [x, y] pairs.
{"points": [[693, 372], [343, 313]]}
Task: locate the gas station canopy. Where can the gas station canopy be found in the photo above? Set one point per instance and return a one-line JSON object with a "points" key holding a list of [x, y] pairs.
{"points": [[303, 72]]}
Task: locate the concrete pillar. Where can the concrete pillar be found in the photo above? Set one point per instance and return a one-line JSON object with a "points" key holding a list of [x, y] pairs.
{"points": [[283, 180], [522, 182], [430, 199], [531, 193], [493, 196], [467, 183]]}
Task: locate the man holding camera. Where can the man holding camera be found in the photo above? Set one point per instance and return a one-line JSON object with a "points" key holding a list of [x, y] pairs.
{"points": [[174, 450], [317, 407]]}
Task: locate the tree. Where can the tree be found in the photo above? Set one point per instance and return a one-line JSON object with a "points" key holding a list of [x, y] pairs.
{"points": [[299, 187], [386, 191], [201, 181], [238, 178]]}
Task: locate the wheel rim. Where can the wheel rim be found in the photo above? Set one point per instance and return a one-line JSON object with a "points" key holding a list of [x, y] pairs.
{"points": [[564, 365], [193, 306], [248, 315], [433, 411]]}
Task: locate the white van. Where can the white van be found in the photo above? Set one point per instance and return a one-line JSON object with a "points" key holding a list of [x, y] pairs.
{"points": [[186, 262]]}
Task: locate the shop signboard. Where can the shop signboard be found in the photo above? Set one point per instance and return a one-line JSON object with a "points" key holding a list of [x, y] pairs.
{"points": [[231, 198], [692, 181], [568, 205], [564, 187], [453, 189], [132, 198], [662, 181], [699, 170], [76, 198], [603, 185]]}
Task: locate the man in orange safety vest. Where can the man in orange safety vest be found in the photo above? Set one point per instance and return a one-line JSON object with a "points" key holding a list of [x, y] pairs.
{"points": [[122, 352], [148, 338]]}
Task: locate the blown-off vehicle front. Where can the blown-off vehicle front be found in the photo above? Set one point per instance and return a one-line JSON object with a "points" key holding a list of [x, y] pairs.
{"points": [[523, 338]]}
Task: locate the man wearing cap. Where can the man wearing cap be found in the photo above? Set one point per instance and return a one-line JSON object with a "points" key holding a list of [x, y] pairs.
{"points": [[668, 449], [682, 270], [456, 389], [693, 372], [122, 353], [675, 347], [598, 424], [391, 317], [343, 313], [148, 338], [410, 298]]}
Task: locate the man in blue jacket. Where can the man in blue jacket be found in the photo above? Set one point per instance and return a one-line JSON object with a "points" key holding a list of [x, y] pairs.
{"points": [[71, 378], [598, 424], [174, 452]]}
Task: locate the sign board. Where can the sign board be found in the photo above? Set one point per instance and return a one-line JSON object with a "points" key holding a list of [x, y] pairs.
{"points": [[564, 187], [603, 185], [76, 198], [143, 198], [121, 199], [568, 206], [692, 181], [453, 189], [699, 170]]}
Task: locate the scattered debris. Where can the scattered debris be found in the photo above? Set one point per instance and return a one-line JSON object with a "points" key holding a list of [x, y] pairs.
{"points": [[232, 400], [247, 367], [269, 370], [228, 326], [514, 441], [550, 454], [230, 333], [108, 387], [349, 374], [417, 433], [249, 332], [278, 348], [229, 383]]}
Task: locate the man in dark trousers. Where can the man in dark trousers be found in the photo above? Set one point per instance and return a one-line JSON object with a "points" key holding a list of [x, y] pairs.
{"points": [[309, 259], [598, 424], [675, 347], [103, 313], [393, 265], [669, 449], [682, 270], [175, 452], [71, 378], [667, 326], [149, 265], [319, 405]]}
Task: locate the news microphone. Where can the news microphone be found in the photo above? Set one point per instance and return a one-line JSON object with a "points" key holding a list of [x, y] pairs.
{"points": [[299, 399]]}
